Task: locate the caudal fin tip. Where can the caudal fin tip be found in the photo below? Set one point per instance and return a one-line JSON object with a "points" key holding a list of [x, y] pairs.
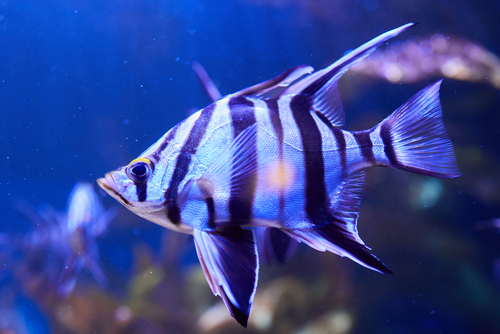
{"points": [[435, 87], [448, 174]]}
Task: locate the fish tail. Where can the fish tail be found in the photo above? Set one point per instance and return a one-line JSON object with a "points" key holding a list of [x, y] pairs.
{"points": [[415, 139]]}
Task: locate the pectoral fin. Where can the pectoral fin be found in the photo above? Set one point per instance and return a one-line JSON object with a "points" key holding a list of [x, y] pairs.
{"points": [[235, 163], [231, 266]]}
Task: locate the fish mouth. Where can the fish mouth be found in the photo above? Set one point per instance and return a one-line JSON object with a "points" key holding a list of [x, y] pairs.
{"points": [[108, 184]]}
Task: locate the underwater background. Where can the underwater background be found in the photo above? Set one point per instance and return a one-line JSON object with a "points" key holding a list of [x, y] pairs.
{"points": [[86, 86]]}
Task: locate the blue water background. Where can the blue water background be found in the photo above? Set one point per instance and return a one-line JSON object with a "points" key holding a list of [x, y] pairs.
{"points": [[86, 86]]}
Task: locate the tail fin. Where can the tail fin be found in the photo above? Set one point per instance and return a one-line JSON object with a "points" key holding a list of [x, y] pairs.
{"points": [[415, 139]]}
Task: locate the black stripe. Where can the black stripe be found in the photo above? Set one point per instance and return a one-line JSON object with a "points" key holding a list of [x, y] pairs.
{"points": [[340, 139], [164, 144], [242, 193], [184, 160], [315, 190], [211, 212], [141, 190], [390, 153], [365, 145], [274, 115], [242, 114], [385, 134]]}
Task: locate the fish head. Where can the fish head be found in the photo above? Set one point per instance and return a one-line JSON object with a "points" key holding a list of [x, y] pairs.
{"points": [[137, 186]]}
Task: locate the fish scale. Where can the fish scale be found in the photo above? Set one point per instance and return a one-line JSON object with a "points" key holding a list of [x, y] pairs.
{"points": [[274, 156]]}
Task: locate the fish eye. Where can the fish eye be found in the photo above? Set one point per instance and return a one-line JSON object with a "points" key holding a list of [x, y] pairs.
{"points": [[140, 169]]}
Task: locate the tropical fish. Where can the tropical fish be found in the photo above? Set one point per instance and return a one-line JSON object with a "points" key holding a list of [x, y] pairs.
{"points": [[273, 155]]}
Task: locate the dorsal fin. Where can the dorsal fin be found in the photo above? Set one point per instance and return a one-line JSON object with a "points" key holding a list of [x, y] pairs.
{"points": [[322, 85], [273, 87], [205, 81]]}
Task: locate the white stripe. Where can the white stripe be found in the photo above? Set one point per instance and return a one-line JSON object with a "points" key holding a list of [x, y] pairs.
{"points": [[169, 156]]}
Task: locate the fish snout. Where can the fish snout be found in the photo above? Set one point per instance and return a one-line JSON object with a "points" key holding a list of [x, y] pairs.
{"points": [[108, 184]]}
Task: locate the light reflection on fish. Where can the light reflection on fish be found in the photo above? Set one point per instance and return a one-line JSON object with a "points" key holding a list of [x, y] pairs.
{"points": [[273, 155]]}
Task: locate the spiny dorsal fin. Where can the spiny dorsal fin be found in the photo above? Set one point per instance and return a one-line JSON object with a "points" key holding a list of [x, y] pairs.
{"points": [[205, 81], [321, 86], [273, 87]]}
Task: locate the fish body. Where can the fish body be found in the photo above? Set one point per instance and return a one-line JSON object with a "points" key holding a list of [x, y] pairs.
{"points": [[274, 155]]}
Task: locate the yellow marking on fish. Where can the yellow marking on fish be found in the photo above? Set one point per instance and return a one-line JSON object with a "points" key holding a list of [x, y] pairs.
{"points": [[140, 160]]}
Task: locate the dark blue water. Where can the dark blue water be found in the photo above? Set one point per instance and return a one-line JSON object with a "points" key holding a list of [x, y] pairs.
{"points": [[86, 86]]}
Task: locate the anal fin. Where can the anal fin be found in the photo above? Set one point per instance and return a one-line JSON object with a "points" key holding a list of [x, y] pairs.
{"points": [[336, 230], [231, 266], [333, 238]]}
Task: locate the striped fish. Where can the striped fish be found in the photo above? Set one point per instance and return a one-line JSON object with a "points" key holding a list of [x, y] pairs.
{"points": [[274, 155]]}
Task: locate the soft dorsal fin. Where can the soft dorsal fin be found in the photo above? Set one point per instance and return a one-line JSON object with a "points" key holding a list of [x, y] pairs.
{"points": [[273, 87], [321, 86]]}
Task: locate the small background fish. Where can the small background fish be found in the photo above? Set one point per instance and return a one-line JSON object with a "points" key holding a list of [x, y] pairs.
{"points": [[45, 263], [73, 106]]}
